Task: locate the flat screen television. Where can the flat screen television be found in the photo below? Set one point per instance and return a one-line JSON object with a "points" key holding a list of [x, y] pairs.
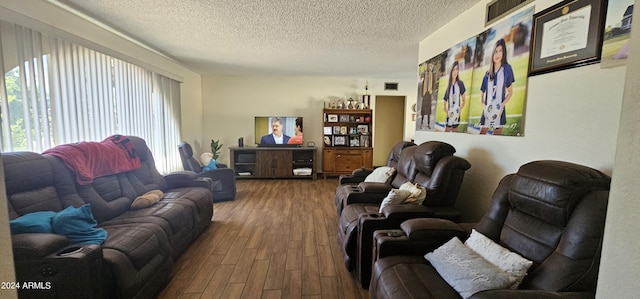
{"points": [[279, 131]]}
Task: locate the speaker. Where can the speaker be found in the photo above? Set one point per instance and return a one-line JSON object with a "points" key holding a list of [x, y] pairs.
{"points": [[241, 142]]}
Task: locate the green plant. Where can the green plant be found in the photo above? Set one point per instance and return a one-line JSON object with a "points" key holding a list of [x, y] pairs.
{"points": [[215, 148]]}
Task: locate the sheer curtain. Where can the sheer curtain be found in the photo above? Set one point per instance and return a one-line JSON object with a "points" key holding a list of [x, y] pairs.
{"points": [[57, 92]]}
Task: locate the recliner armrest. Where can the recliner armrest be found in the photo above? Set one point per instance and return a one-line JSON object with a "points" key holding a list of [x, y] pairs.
{"points": [[356, 176], [186, 178], [432, 229], [406, 211], [372, 187], [36, 246], [530, 294]]}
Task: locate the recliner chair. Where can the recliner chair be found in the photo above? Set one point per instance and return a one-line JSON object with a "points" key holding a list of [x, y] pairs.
{"points": [[358, 176], [550, 212], [431, 165], [223, 178]]}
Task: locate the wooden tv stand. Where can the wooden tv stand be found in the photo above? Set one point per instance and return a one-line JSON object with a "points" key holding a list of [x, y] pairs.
{"points": [[272, 162]]}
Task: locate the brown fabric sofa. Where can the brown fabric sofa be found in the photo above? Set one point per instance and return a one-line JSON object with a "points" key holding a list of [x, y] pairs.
{"points": [[550, 212], [431, 165], [136, 259]]}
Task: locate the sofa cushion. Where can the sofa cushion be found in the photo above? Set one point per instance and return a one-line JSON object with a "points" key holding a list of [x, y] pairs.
{"points": [[382, 174], [78, 225], [36, 222], [499, 256], [466, 271]]}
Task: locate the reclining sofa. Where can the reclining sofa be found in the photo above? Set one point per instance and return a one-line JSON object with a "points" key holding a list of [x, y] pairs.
{"points": [[551, 213], [141, 245], [431, 165]]}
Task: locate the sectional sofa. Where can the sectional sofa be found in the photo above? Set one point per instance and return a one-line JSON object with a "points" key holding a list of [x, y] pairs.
{"points": [[140, 243]]}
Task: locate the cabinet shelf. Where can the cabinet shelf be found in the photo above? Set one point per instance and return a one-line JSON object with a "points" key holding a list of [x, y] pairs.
{"points": [[347, 140]]}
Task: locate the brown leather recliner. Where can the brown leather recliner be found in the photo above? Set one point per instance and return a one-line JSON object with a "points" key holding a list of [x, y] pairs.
{"points": [[359, 175], [431, 165], [549, 212]]}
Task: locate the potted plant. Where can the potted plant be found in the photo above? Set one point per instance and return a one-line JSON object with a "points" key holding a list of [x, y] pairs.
{"points": [[215, 148]]}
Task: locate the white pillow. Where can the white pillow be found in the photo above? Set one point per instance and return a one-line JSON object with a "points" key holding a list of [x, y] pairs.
{"points": [[466, 271], [418, 193], [205, 158], [395, 196], [381, 174], [503, 258]]}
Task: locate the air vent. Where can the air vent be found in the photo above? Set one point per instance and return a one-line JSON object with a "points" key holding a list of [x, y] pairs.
{"points": [[390, 86], [498, 8]]}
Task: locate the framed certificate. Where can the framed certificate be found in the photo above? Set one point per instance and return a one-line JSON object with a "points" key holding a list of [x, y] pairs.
{"points": [[567, 35]]}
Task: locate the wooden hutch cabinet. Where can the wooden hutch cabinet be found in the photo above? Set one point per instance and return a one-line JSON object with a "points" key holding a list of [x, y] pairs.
{"points": [[346, 140]]}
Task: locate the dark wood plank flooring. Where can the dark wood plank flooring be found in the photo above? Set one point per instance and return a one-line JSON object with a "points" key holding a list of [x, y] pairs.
{"points": [[276, 240]]}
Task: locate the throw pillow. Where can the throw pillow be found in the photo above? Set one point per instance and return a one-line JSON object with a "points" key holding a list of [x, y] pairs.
{"points": [[146, 200], [418, 193], [466, 271], [382, 174], [36, 222], [78, 225], [395, 196], [501, 257], [213, 164]]}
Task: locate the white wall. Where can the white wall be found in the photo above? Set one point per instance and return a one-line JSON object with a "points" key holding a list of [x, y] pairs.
{"points": [[571, 115], [231, 102], [620, 266], [49, 18]]}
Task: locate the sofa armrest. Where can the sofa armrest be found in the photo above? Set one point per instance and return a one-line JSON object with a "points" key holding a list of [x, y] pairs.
{"points": [[186, 178], [432, 229], [36, 246], [530, 294]]}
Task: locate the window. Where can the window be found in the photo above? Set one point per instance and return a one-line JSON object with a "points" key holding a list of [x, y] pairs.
{"points": [[58, 92]]}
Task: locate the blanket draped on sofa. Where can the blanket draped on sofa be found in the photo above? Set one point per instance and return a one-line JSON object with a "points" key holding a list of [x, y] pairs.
{"points": [[89, 160]]}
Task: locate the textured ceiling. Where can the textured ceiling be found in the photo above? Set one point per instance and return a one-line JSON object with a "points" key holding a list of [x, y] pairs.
{"points": [[369, 38]]}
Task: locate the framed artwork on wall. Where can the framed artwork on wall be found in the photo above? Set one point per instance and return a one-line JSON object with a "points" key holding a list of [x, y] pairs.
{"points": [[567, 35]]}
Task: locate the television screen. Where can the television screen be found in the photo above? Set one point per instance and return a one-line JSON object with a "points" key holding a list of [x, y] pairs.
{"points": [[278, 130]]}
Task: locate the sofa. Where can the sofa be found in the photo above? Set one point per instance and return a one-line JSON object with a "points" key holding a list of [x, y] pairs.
{"points": [[142, 243], [431, 165], [550, 213]]}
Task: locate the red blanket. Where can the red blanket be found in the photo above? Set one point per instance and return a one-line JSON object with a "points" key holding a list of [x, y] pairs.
{"points": [[90, 160]]}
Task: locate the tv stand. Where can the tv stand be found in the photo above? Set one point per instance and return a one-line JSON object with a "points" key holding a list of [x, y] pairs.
{"points": [[273, 162]]}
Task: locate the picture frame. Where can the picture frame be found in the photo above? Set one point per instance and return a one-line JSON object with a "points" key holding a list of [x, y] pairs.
{"points": [[344, 118], [328, 130], [364, 141], [567, 35], [343, 130], [354, 141], [363, 129], [339, 140], [332, 118], [327, 140], [336, 130]]}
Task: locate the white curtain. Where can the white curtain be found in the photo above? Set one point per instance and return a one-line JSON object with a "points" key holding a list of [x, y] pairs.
{"points": [[57, 92]]}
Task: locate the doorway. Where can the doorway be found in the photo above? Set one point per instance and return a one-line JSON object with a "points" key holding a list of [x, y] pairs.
{"points": [[388, 122]]}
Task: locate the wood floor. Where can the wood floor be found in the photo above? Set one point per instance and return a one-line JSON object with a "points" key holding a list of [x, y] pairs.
{"points": [[276, 240]]}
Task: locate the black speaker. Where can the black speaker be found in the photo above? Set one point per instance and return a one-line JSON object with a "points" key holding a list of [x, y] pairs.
{"points": [[241, 142]]}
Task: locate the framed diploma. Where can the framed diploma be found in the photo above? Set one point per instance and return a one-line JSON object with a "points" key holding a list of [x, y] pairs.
{"points": [[567, 35]]}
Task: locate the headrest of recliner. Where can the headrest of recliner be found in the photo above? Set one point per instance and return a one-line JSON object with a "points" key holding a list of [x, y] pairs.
{"points": [[550, 190], [394, 155], [427, 155], [186, 149]]}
